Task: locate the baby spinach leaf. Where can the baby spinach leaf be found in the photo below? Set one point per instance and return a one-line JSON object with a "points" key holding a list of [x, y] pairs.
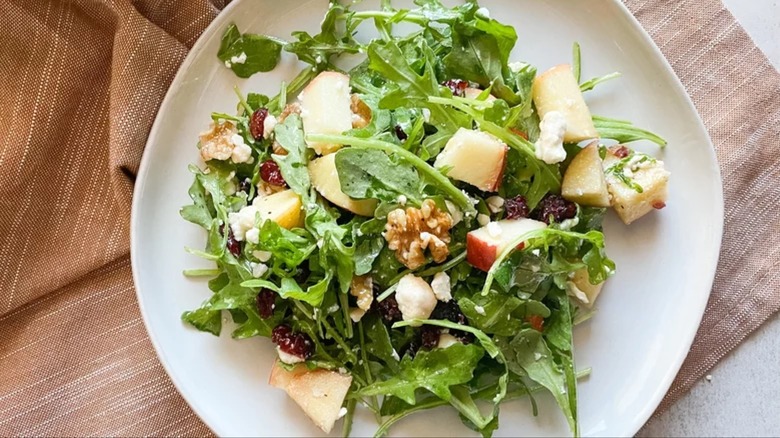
{"points": [[247, 54]]}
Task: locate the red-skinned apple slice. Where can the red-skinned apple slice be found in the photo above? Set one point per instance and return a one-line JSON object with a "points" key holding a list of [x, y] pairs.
{"points": [[485, 244], [474, 157]]}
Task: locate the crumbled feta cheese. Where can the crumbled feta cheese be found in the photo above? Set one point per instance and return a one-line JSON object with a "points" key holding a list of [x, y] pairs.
{"points": [[287, 358], [402, 199], [242, 153], [228, 64], [536, 252], [259, 269], [441, 286], [415, 298], [495, 203], [455, 212], [342, 412], [480, 310], [242, 221], [356, 314], [708, 377], [549, 147], [483, 12], [576, 292], [334, 308], [263, 256], [494, 229], [268, 125], [240, 59], [537, 355], [252, 236], [446, 340], [483, 219]]}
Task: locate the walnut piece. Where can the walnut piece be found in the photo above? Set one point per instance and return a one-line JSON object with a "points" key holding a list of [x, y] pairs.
{"points": [[361, 113], [362, 288], [216, 143], [410, 232]]}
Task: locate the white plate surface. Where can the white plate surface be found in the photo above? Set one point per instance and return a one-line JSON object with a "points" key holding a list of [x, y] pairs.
{"points": [[649, 311]]}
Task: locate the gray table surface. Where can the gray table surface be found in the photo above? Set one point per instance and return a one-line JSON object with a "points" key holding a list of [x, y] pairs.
{"points": [[743, 396]]}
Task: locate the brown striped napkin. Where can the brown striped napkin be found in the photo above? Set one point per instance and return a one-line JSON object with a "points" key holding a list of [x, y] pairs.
{"points": [[80, 84]]}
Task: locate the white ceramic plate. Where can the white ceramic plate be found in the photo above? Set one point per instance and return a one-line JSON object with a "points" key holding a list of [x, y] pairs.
{"points": [[649, 311]]}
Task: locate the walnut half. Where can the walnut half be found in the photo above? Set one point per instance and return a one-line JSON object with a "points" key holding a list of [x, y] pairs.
{"points": [[410, 232]]}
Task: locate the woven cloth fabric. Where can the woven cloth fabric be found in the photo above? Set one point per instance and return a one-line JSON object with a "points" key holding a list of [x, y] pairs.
{"points": [[80, 84]]}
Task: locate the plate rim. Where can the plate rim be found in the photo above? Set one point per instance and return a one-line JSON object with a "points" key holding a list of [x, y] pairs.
{"points": [[638, 419]]}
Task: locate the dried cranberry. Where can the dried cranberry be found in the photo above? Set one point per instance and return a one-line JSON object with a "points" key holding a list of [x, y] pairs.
{"points": [[516, 207], [457, 86], [658, 205], [399, 132], [279, 332], [449, 311], [554, 208], [536, 321], [265, 303], [620, 151], [389, 310], [257, 123], [429, 335], [233, 245], [296, 344], [271, 174]]}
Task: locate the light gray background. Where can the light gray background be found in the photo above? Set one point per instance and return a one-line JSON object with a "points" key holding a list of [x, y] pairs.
{"points": [[743, 397]]}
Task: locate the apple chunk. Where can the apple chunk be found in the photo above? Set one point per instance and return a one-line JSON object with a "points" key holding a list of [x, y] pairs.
{"points": [[584, 181], [485, 244], [320, 393], [326, 108], [637, 183], [325, 178], [557, 90], [283, 207], [474, 157], [580, 288]]}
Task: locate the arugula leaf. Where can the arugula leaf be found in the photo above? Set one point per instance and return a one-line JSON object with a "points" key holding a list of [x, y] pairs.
{"points": [[366, 252], [530, 352], [379, 344], [288, 249], [369, 173], [249, 53], [293, 166], [435, 370], [331, 41], [204, 319], [289, 289], [623, 131], [493, 314], [199, 212]]}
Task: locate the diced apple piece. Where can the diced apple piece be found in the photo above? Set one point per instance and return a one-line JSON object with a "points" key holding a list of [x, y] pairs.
{"points": [[281, 377], [584, 181], [474, 157], [558, 90], [320, 393], [283, 207], [645, 172], [485, 244], [325, 178], [581, 289], [326, 108], [473, 93]]}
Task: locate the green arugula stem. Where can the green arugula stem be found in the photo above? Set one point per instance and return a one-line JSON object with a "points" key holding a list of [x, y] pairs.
{"points": [[576, 65], [201, 272], [242, 100], [451, 263], [591, 84], [410, 17], [443, 183]]}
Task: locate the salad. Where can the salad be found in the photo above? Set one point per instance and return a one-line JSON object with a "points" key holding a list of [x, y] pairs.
{"points": [[421, 230]]}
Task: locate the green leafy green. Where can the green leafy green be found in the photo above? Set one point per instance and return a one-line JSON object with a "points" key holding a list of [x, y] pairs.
{"points": [[371, 174], [247, 54]]}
